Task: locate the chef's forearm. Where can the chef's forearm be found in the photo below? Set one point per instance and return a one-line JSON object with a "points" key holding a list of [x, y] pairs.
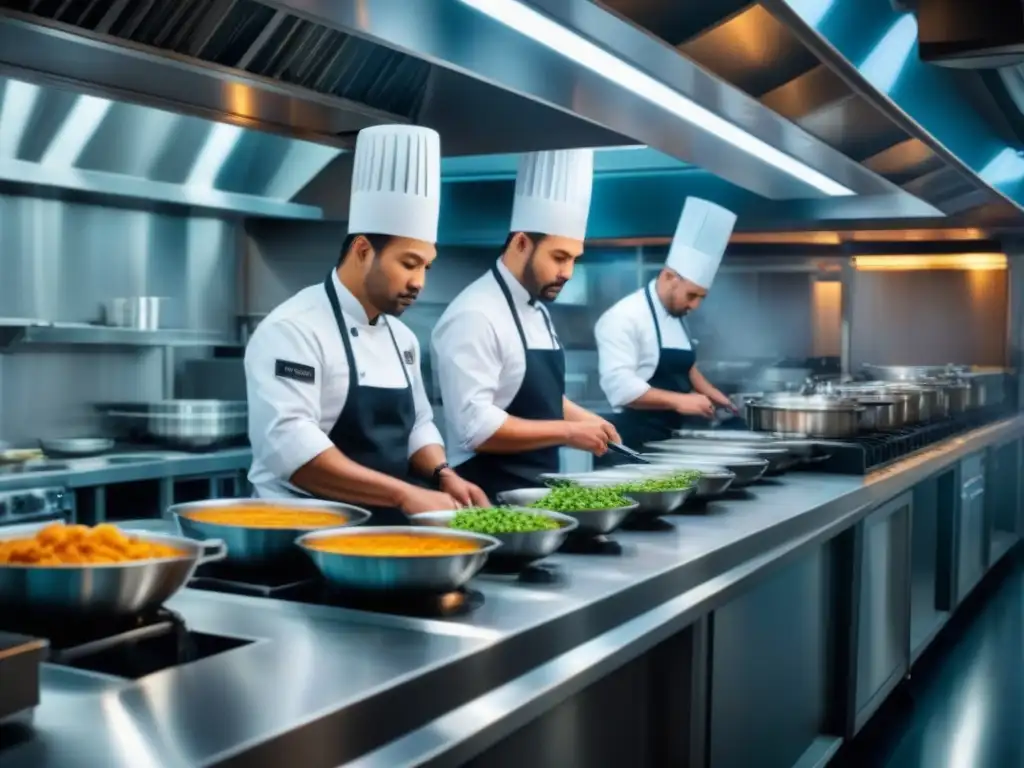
{"points": [[573, 412], [656, 400], [427, 459], [332, 475], [516, 435], [704, 387]]}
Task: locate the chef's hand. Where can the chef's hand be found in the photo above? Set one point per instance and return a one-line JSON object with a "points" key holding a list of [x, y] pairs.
{"points": [[590, 436], [723, 400], [696, 405], [416, 500], [463, 491], [610, 431]]}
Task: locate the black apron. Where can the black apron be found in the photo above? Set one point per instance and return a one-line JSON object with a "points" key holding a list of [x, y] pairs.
{"points": [[540, 398], [636, 426], [374, 426]]}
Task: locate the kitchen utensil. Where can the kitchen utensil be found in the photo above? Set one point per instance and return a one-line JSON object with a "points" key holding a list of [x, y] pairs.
{"points": [[746, 469], [879, 412], [779, 458], [367, 573], [651, 504], [252, 547], [929, 402], [189, 424], [958, 394], [912, 372], [905, 407], [623, 450], [731, 435], [525, 547], [140, 313], [115, 589], [75, 447], [814, 415], [593, 522]]}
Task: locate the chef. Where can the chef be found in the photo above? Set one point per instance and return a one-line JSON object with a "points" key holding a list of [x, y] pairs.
{"points": [[646, 357], [500, 365], [337, 407]]}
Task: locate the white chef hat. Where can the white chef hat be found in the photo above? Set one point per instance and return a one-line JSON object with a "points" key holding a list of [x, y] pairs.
{"points": [[700, 240], [396, 182], [553, 193]]}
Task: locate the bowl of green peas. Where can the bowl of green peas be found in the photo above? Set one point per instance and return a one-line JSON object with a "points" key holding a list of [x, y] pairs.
{"points": [[597, 510], [526, 535], [656, 495]]}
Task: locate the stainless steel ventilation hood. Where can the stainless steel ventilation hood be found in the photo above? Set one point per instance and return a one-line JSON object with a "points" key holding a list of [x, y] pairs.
{"points": [[323, 69], [227, 104]]}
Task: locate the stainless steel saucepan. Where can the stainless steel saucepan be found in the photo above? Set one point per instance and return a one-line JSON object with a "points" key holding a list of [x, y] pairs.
{"points": [[813, 415]]}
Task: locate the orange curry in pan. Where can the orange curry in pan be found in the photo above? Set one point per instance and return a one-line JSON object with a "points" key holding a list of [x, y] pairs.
{"points": [[260, 516]]}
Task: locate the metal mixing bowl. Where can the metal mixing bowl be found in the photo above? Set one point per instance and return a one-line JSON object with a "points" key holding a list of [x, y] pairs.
{"points": [[652, 504], [526, 547], [252, 547], [593, 522], [779, 458], [367, 573], [102, 590], [746, 470]]}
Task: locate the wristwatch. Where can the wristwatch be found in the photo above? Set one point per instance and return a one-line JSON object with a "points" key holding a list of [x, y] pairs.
{"points": [[436, 475]]}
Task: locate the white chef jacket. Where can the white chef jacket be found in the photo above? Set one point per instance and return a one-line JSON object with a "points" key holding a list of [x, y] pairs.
{"points": [[289, 420], [627, 345], [479, 358]]}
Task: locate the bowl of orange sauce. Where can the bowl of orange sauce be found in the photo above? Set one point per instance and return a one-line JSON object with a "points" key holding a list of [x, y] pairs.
{"points": [[262, 532], [400, 558]]}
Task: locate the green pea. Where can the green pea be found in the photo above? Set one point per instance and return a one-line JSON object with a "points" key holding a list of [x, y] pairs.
{"points": [[577, 499], [497, 520]]}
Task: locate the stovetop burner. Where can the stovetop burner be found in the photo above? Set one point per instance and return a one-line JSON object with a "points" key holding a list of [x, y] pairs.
{"points": [[867, 453], [314, 591], [129, 647]]}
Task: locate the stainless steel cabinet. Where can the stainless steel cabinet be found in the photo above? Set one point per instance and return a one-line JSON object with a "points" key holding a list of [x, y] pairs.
{"points": [[972, 526], [881, 605]]}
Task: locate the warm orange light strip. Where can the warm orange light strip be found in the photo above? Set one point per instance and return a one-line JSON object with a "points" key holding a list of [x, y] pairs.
{"points": [[964, 261]]}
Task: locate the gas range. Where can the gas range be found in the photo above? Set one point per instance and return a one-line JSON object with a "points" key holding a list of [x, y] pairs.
{"points": [[34, 505], [866, 453]]}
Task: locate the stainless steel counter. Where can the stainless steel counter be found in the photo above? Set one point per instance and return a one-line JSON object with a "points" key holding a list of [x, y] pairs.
{"points": [[321, 686], [129, 467]]}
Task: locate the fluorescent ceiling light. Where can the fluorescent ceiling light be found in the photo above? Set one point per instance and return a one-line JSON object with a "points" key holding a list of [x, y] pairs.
{"points": [[218, 146], [550, 34], [76, 130]]}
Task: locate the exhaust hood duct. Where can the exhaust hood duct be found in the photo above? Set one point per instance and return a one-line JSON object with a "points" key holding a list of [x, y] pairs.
{"points": [[971, 35]]}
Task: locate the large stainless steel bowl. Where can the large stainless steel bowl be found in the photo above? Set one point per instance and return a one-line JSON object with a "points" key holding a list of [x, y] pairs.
{"points": [[779, 458], [105, 590], [188, 424], [593, 522], [526, 547], [745, 469], [369, 573], [250, 547]]}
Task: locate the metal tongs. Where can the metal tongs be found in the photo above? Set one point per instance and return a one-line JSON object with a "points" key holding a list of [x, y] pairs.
{"points": [[620, 448]]}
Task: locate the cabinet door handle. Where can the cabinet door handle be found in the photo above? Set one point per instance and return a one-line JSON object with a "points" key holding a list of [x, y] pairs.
{"points": [[976, 494]]}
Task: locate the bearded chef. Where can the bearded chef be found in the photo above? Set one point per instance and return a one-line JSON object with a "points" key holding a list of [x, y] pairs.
{"points": [[337, 407], [646, 357], [500, 365]]}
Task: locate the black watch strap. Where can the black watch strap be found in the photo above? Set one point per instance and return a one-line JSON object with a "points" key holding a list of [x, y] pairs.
{"points": [[436, 475]]}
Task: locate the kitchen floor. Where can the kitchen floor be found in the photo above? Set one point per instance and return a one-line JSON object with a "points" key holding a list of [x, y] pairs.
{"points": [[964, 704]]}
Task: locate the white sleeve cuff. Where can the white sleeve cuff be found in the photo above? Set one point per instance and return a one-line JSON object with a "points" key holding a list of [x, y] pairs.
{"points": [[424, 435], [302, 444], [488, 421]]}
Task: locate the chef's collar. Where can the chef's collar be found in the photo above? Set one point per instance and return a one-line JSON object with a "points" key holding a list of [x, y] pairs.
{"points": [[520, 295], [350, 304], [658, 305]]}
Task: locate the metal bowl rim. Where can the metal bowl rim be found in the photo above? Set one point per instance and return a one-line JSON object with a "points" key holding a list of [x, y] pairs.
{"points": [[631, 507], [489, 542], [360, 517]]}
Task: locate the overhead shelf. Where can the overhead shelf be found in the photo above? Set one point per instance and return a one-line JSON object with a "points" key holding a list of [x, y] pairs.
{"points": [[18, 333]]}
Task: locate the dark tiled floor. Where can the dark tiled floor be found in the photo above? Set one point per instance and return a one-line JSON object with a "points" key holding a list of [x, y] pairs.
{"points": [[964, 704]]}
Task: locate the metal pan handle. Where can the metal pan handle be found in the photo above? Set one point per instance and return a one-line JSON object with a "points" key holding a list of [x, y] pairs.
{"points": [[213, 550]]}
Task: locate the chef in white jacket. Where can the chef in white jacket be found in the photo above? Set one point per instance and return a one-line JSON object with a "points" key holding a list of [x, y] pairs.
{"points": [[646, 358], [337, 407], [500, 365]]}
